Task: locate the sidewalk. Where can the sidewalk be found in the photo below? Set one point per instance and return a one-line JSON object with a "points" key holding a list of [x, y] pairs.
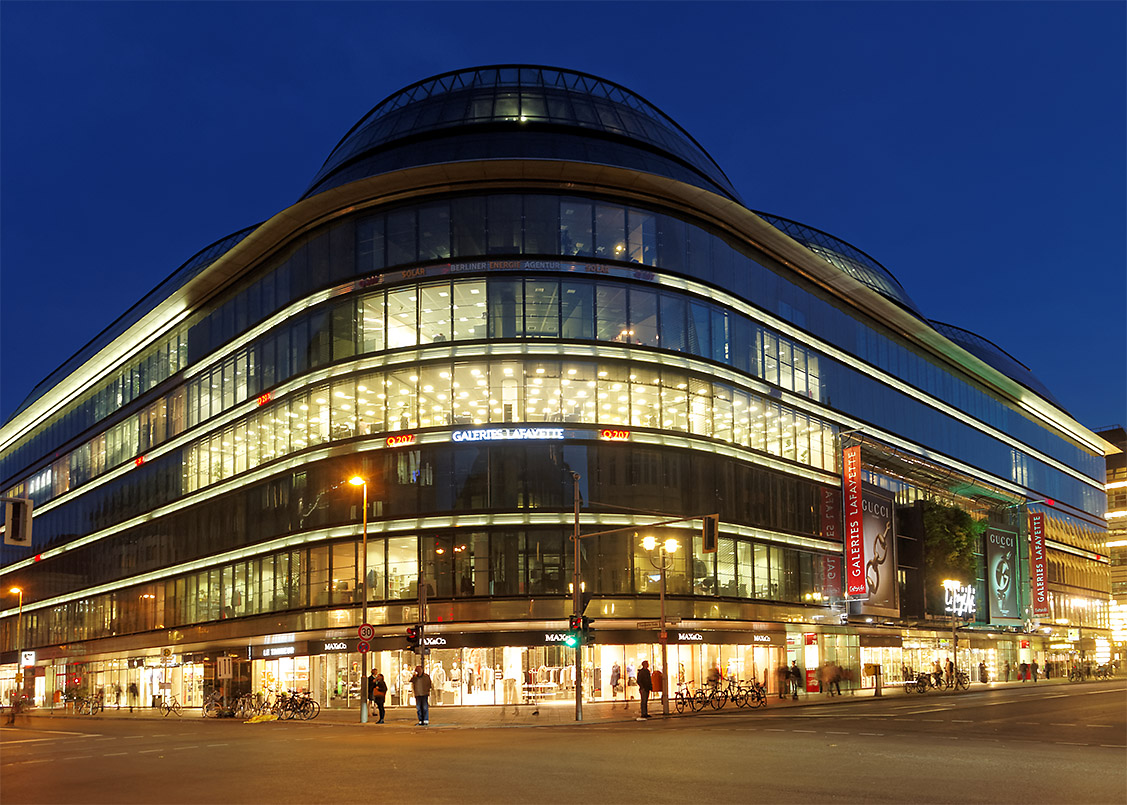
{"points": [[555, 713]]}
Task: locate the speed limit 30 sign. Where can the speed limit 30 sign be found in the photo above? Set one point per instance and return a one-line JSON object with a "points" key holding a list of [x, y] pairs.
{"points": [[366, 631]]}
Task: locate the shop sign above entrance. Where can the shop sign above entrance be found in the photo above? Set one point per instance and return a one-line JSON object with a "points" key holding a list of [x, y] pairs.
{"points": [[504, 434], [960, 600], [27, 658]]}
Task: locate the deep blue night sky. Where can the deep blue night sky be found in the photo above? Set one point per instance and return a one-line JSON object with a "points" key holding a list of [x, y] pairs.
{"points": [[976, 149]]}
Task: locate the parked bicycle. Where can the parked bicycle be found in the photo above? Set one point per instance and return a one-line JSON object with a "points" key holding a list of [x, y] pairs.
{"points": [[89, 706], [213, 705], [296, 705], [170, 705]]}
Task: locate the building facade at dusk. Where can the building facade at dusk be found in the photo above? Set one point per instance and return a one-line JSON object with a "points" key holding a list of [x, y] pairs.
{"points": [[507, 285]]}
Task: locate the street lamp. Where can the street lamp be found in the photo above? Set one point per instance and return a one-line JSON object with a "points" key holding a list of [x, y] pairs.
{"points": [[667, 548], [19, 617], [356, 480], [951, 585]]}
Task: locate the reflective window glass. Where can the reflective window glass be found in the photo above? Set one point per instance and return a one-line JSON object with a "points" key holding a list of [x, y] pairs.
{"points": [[434, 313]]}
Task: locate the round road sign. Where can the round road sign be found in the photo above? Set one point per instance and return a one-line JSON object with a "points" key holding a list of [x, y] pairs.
{"points": [[363, 647], [366, 631]]}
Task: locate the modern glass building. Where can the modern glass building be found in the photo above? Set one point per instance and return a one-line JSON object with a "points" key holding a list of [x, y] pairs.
{"points": [[509, 288]]}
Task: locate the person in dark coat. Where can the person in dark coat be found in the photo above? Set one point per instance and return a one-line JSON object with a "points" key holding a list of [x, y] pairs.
{"points": [[645, 685], [379, 695]]}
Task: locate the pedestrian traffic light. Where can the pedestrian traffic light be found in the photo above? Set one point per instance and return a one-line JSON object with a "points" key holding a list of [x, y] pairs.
{"points": [[574, 623], [573, 638], [17, 521], [710, 532], [413, 638], [586, 630]]}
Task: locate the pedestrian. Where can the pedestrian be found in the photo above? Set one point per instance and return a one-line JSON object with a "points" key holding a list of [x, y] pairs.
{"points": [[1023, 671], [783, 679], [379, 695], [982, 675], [835, 677], [795, 679], [132, 695], [1007, 670], [950, 671], [657, 681], [645, 687], [117, 695], [370, 689], [1034, 668], [420, 686]]}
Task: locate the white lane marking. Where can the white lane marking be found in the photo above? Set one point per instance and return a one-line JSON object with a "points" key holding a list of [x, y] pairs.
{"points": [[803, 730], [878, 734], [29, 741], [226, 744], [961, 721], [1057, 724], [1069, 743], [1115, 746], [148, 751], [773, 729], [1059, 696], [831, 732], [193, 746], [114, 754], [1098, 725], [1029, 723], [933, 720], [40, 760], [78, 757], [64, 732]]}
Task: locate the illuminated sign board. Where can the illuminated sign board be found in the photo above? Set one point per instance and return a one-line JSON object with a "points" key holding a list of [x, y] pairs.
{"points": [[264, 398], [854, 534], [614, 435], [507, 434], [960, 601], [27, 658], [1038, 565], [400, 439]]}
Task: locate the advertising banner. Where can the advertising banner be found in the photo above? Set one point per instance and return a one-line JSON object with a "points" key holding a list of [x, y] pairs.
{"points": [[1001, 575], [854, 537], [1038, 565], [831, 576], [877, 525]]}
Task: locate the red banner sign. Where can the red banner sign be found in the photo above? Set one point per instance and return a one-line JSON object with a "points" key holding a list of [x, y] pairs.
{"points": [[1038, 565], [854, 534]]}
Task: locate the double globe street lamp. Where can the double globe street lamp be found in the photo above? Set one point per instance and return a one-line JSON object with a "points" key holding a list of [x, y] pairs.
{"points": [[663, 562], [356, 480]]}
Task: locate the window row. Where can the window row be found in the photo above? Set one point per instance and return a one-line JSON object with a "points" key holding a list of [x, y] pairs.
{"points": [[473, 393], [530, 224], [433, 480], [454, 565]]}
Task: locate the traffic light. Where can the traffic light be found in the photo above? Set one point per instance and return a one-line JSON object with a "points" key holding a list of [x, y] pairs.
{"points": [[17, 521], [413, 638], [586, 630], [710, 532]]}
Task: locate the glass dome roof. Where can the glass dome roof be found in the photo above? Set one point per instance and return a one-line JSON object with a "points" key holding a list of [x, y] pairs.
{"points": [[993, 355], [506, 100], [847, 258]]}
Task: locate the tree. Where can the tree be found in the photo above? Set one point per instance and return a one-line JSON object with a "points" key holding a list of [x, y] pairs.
{"points": [[951, 538]]}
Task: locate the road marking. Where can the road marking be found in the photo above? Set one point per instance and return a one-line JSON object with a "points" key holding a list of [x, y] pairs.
{"points": [[1069, 743], [961, 721], [1098, 725], [803, 730], [1058, 696], [79, 757], [1115, 746], [193, 746], [877, 734], [831, 732], [1055, 724], [1029, 723], [149, 751], [773, 729], [114, 754], [226, 744], [933, 720]]}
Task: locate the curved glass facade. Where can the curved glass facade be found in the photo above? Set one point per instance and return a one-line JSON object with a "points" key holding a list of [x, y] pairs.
{"points": [[483, 358]]}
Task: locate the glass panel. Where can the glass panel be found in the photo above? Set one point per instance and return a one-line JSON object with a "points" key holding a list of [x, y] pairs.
{"points": [[370, 403], [469, 309], [575, 228], [610, 307], [610, 232], [577, 310], [434, 232], [542, 308], [504, 224], [643, 317], [402, 568], [434, 313], [401, 317]]}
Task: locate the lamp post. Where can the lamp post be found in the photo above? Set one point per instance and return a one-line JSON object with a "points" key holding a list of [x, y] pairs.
{"points": [[358, 481], [668, 547], [18, 642], [950, 585]]}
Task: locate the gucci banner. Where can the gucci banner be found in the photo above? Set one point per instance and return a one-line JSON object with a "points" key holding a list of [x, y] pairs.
{"points": [[1001, 575], [879, 534]]}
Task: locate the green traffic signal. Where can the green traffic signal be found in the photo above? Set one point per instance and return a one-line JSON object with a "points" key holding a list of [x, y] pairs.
{"points": [[573, 639]]}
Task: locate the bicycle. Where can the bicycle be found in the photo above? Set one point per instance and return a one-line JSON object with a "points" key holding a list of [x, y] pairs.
{"points": [[1075, 674], [89, 706], [962, 680], [173, 706]]}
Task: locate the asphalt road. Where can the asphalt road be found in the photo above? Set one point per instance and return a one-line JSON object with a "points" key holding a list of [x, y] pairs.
{"points": [[1020, 744]]}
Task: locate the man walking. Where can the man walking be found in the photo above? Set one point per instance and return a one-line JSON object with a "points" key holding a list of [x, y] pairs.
{"points": [[645, 685], [379, 695], [420, 686]]}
